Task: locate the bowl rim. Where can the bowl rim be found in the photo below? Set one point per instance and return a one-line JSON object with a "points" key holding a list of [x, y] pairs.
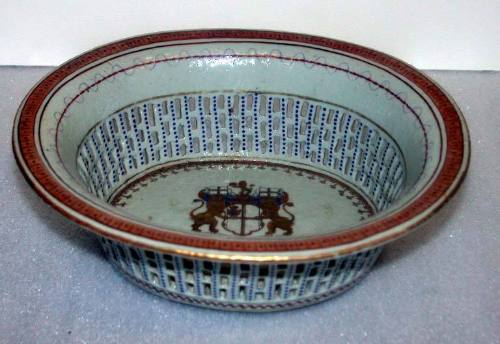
{"points": [[364, 236]]}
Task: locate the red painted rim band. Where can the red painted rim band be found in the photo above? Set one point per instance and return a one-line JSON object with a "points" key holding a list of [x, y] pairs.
{"points": [[454, 157]]}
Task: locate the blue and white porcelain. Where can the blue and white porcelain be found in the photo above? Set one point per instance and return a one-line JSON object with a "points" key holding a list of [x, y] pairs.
{"points": [[241, 170]]}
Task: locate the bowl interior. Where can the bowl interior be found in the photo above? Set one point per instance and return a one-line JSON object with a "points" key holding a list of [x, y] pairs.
{"points": [[242, 139]]}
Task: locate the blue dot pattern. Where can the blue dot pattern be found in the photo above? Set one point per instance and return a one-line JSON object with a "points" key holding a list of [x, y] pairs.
{"points": [[243, 133], [230, 115], [256, 105], [253, 124], [296, 128], [283, 125], [216, 125], [173, 115], [309, 130], [321, 134], [270, 134], [187, 121], [137, 132], [163, 129], [147, 129], [201, 115]]}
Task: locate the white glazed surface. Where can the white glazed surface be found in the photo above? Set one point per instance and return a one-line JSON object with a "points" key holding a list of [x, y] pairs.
{"points": [[444, 277], [173, 192], [388, 103], [259, 74]]}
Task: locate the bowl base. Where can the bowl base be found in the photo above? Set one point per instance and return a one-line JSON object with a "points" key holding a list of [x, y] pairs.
{"points": [[238, 306], [238, 286]]}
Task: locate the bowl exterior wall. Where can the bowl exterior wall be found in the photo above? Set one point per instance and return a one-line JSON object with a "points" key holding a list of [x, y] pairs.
{"points": [[238, 286]]}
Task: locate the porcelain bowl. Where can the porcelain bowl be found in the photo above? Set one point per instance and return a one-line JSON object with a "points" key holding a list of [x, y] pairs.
{"points": [[241, 170]]}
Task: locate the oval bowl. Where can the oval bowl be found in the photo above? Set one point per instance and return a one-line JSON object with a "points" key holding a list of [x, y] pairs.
{"points": [[241, 170]]}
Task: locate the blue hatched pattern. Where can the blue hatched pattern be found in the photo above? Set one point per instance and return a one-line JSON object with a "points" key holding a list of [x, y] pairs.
{"points": [[234, 282], [230, 114], [187, 120], [270, 134], [321, 134], [368, 143], [334, 274], [288, 281], [303, 283], [270, 284], [248, 123], [201, 114], [116, 143], [321, 273], [283, 125], [101, 163], [252, 282], [296, 127], [124, 258], [229, 284], [124, 133], [255, 118], [243, 124], [346, 270], [179, 272], [396, 189], [345, 140], [86, 171], [215, 280], [357, 147], [161, 263], [143, 262], [198, 278], [108, 154], [378, 168], [175, 129], [216, 125], [163, 129], [331, 152], [147, 129], [309, 130], [135, 129]]}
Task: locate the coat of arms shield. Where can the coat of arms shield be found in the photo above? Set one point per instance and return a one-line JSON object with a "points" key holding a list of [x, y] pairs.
{"points": [[242, 210]]}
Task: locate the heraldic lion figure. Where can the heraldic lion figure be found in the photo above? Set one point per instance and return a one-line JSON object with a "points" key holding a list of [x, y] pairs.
{"points": [[215, 208], [270, 210]]}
